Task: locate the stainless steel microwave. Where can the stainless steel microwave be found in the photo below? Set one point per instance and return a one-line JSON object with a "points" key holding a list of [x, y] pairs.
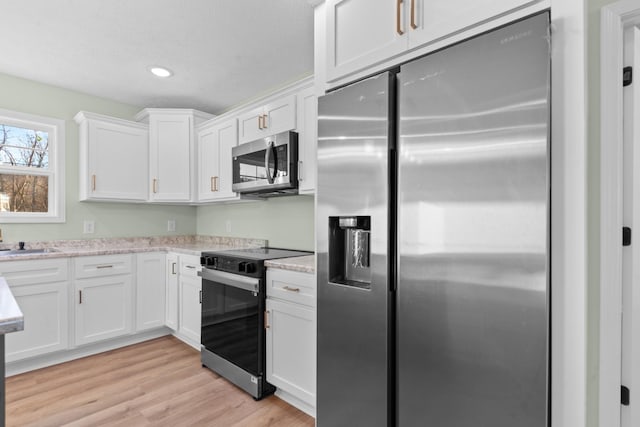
{"points": [[267, 167]]}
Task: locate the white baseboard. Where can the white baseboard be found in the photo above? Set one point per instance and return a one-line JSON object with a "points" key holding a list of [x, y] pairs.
{"points": [[294, 401]]}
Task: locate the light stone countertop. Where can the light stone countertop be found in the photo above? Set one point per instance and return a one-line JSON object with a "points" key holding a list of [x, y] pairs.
{"points": [[304, 264], [189, 245], [11, 319]]}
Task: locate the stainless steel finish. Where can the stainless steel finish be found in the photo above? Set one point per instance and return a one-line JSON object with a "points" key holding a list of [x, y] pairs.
{"points": [[277, 183], [267, 159], [348, 222], [249, 383], [4, 252], [473, 191], [230, 279], [352, 379]]}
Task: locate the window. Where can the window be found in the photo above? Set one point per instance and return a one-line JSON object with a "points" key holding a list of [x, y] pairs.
{"points": [[31, 168]]}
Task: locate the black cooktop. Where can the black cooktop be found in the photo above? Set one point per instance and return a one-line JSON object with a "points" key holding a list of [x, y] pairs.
{"points": [[258, 253]]}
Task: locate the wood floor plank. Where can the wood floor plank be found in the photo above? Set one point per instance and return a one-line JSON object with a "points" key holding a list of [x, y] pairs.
{"points": [[156, 383]]}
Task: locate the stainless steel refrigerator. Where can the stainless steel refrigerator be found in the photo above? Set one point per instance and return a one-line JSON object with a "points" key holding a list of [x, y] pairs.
{"points": [[433, 239]]}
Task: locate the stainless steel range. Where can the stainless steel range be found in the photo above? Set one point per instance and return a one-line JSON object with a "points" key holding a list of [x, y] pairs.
{"points": [[233, 306]]}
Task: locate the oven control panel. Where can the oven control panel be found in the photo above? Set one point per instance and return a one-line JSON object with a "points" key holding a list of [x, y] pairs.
{"points": [[230, 265]]}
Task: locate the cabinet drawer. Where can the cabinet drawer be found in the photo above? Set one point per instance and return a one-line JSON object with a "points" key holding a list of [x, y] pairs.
{"points": [[31, 272], [189, 266], [103, 265], [292, 286]]}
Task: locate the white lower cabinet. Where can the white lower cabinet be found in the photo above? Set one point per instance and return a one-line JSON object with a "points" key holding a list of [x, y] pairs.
{"points": [[40, 288], [150, 290], [103, 297], [171, 310], [190, 300], [291, 339]]}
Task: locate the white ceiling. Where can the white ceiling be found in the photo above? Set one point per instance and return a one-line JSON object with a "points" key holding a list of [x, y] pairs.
{"points": [[222, 52]]}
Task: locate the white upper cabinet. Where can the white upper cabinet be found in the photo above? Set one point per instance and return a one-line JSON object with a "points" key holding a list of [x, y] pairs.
{"points": [[113, 158], [363, 33], [172, 152], [215, 166], [269, 119], [307, 103]]}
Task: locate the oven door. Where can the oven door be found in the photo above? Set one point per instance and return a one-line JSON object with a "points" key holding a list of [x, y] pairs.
{"points": [[268, 164], [232, 319]]}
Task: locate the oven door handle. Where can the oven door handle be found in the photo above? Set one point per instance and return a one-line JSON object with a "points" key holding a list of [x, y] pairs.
{"points": [[241, 282]]}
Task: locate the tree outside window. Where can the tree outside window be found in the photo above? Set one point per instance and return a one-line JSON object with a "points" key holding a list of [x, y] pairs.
{"points": [[31, 178]]}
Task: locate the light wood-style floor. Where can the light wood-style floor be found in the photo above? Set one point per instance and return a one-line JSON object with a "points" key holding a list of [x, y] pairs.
{"points": [[156, 383]]}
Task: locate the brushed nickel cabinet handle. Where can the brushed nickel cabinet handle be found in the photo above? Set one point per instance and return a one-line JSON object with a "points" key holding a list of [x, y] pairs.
{"points": [[190, 266], [173, 268], [104, 266], [413, 15], [287, 288], [260, 122], [300, 176], [80, 301], [215, 183], [398, 17], [154, 185], [93, 182], [212, 188], [264, 121], [266, 319]]}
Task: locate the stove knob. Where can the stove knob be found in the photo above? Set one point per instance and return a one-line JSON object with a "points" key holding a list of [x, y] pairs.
{"points": [[208, 261], [250, 267], [242, 266]]}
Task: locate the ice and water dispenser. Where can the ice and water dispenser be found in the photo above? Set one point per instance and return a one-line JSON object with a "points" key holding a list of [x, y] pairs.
{"points": [[350, 251]]}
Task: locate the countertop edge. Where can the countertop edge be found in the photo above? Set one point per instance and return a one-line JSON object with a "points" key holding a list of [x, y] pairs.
{"points": [[11, 317], [302, 264]]}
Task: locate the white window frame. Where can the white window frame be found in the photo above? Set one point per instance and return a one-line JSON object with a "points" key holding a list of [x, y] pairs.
{"points": [[55, 129]]}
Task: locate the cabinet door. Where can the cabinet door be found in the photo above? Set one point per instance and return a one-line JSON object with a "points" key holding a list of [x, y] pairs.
{"points": [[118, 165], [190, 311], [170, 138], [215, 165], [361, 33], [45, 311], [171, 313], [291, 349], [436, 19], [150, 290], [274, 117], [307, 103], [103, 308]]}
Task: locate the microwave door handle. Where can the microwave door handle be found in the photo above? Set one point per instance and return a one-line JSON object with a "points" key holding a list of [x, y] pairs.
{"points": [[267, 158]]}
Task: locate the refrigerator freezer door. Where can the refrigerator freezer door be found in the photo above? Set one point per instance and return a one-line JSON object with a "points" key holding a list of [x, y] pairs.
{"points": [[473, 211], [352, 239]]}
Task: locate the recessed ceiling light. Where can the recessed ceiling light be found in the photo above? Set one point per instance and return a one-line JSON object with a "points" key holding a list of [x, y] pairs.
{"points": [[160, 72]]}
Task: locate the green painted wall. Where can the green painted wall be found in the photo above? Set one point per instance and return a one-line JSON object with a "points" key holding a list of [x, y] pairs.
{"points": [[593, 211], [286, 222], [111, 219]]}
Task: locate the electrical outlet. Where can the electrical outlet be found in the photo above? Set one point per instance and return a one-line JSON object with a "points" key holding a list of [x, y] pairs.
{"points": [[171, 225], [228, 225], [89, 226]]}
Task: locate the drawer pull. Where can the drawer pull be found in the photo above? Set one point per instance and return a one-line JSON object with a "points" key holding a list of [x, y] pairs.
{"points": [[413, 15], [287, 288], [104, 266], [190, 266], [398, 17]]}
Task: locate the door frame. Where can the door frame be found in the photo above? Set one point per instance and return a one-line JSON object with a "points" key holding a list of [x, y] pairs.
{"points": [[614, 19]]}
